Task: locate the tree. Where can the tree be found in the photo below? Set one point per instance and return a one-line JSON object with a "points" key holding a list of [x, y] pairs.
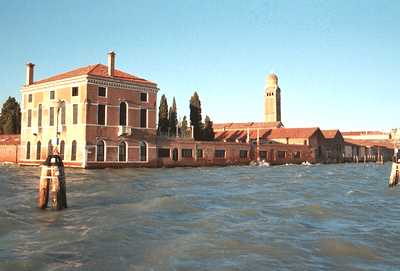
{"points": [[163, 116], [195, 116], [184, 127], [173, 118], [208, 131], [10, 119]]}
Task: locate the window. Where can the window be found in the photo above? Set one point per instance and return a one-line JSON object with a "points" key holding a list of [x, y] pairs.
{"points": [[75, 91], [28, 150], [29, 98], [51, 116], [49, 148], [143, 97], [143, 118], [38, 150], [296, 155], [199, 153], [143, 151], [281, 154], [73, 151], [187, 153], [243, 154], [75, 114], [101, 114], [102, 92], [62, 149], [122, 113], [29, 118], [263, 155], [39, 116], [122, 151], [163, 153], [100, 151], [305, 142], [219, 154], [52, 95], [63, 114]]}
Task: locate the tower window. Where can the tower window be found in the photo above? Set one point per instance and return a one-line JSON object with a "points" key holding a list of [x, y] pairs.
{"points": [[29, 98]]}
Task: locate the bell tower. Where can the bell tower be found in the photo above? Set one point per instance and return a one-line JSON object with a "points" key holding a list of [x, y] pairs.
{"points": [[272, 99]]}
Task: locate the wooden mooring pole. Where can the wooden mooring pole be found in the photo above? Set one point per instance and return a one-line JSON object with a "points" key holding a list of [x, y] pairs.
{"points": [[52, 184], [394, 175]]}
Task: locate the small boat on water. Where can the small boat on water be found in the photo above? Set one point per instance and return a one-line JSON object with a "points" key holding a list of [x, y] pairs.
{"points": [[261, 163], [306, 163]]}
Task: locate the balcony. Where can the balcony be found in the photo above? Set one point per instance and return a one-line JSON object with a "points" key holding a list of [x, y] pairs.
{"points": [[124, 130]]}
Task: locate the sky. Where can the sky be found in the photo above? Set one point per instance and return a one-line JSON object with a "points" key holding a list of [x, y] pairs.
{"points": [[338, 62]]}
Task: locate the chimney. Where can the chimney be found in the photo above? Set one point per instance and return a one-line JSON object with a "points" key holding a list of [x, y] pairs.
{"points": [[111, 63], [29, 74]]}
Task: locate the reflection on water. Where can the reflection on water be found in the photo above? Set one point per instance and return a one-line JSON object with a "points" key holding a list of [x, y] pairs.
{"points": [[333, 217]]}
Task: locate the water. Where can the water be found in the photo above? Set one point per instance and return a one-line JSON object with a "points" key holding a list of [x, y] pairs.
{"points": [[323, 217]]}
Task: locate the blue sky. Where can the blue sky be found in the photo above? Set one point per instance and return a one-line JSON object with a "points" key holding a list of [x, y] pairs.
{"points": [[338, 62]]}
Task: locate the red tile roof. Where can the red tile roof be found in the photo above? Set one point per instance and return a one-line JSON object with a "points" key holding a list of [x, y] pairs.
{"points": [[370, 143], [245, 125], [231, 136], [290, 133], [330, 134], [355, 133], [10, 139], [96, 70]]}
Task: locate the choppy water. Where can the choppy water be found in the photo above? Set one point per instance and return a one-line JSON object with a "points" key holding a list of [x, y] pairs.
{"points": [[324, 217]]}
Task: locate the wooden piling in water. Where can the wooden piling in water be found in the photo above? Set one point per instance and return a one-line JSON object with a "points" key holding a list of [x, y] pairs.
{"points": [[394, 175], [52, 184]]}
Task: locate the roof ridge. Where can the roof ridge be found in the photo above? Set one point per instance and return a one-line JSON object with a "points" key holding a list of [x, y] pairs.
{"points": [[94, 67]]}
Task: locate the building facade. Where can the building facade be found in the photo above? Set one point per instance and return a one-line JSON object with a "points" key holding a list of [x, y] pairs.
{"points": [[94, 116]]}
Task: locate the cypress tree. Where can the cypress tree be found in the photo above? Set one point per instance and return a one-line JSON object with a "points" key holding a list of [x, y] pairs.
{"points": [[208, 132], [184, 127], [10, 119], [163, 116], [195, 116], [173, 118]]}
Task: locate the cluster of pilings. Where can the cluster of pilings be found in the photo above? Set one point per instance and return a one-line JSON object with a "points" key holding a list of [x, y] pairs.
{"points": [[52, 185]]}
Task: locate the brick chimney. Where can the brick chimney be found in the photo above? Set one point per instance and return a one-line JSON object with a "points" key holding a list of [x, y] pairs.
{"points": [[111, 63], [29, 74]]}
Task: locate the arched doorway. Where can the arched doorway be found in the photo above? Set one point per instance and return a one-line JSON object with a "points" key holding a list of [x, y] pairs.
{"points": [[143, 151], [100, 146], [122, 151], [175, 154]]}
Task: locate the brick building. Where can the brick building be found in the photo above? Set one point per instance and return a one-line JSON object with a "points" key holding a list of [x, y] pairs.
{"points": [[334, 146]]}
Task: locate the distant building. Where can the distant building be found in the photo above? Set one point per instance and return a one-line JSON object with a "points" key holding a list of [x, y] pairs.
{"points": [[366, 135], [334, 146]]}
